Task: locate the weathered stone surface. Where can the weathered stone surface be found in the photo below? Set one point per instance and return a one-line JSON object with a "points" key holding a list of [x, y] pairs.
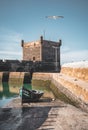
{"points": [[42, 50], [80, 73], [43, 76], [74, 89]]}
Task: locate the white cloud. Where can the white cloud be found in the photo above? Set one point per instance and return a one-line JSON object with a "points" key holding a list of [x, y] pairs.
{"points": [[9, 53], [72, 56], [11, 35], [10, 44]]}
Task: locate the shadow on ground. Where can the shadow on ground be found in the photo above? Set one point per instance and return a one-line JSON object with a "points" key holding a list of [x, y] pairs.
{"points": [[25, 118]]}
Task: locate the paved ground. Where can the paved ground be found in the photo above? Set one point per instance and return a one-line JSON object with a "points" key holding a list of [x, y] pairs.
{"points": [[44, 115]]}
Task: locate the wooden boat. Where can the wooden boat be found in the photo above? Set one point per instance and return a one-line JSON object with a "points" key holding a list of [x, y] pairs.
{"points": [[30, 95]]}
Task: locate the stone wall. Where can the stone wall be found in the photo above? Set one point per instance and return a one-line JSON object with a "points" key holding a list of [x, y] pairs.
{"points": [[27, 66], [49, 49], [1, 73], [42, 76], [80, 73], [74, 91], [32, 51], [16, 75], [16, 66], [13, 77]]}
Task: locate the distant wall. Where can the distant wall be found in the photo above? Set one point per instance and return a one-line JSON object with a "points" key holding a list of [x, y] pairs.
{"points": [[15, 65], [80, 73], [27, 66]]}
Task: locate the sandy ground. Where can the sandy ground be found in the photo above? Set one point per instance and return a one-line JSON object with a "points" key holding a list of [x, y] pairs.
{"points": [[43, 115]]}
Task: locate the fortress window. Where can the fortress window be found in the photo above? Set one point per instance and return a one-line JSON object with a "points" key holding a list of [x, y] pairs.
{"points": [[34, 44], [33, 58]]}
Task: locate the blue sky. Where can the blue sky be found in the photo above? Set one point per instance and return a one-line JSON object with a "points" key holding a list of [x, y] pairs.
{"points": [[25, 19]]}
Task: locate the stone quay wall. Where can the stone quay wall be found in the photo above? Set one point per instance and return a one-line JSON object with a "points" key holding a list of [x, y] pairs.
{"points": [[27, 66], [74, 90], [80, 73], [72, 82]]}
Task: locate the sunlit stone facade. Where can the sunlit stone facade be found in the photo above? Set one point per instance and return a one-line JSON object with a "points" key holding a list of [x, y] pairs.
{"points": [[41, 50]]}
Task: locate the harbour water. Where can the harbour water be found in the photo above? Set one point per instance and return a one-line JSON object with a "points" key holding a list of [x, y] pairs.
{"points": [[10, 90]]}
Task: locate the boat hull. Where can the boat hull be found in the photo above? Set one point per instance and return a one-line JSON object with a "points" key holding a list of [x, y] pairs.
{"points": [[31, 95]]}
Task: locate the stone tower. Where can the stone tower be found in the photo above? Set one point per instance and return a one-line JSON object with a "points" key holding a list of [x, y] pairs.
{"points": [[42, 50]]}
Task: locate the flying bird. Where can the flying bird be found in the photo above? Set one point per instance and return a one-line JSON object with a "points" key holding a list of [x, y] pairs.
{"points": [[54, 17]]}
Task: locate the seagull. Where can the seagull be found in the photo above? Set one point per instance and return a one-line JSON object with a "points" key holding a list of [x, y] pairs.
{"points": [[54, 17]]}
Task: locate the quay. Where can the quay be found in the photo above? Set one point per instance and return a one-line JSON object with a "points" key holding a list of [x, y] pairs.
{"points": [[50, 114]]}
